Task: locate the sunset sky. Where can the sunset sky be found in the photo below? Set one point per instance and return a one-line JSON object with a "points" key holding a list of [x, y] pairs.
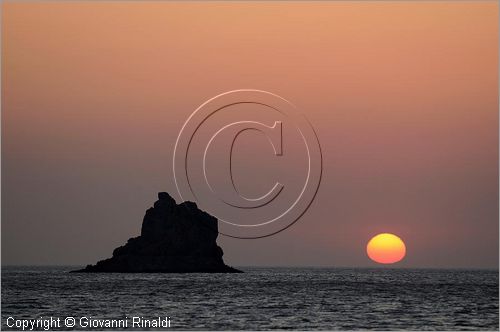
{"points": [[403, 97]]}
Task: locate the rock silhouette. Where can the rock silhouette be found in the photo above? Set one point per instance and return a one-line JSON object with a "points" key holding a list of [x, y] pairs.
{"points": [[175, 238]]}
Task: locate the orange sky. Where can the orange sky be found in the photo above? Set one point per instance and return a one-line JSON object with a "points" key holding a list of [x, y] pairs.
{"points": [[403, 97]]}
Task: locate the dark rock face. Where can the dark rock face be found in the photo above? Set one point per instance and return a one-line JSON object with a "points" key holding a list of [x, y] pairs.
{"points": [[174, 238]]}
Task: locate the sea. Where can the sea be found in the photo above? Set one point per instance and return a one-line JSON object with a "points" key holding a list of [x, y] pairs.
{"points": [[258, 299]]}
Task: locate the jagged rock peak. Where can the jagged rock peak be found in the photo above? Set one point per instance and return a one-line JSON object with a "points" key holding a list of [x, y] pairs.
{"points": [[174, 238]]}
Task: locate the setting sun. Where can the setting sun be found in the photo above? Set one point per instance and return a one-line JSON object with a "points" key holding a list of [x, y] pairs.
{"points": [[386, 248]]}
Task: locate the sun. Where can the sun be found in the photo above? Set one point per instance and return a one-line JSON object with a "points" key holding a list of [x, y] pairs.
{"points": [[386, 248]]}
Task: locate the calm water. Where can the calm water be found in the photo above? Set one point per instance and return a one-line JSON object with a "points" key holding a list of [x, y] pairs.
{"points": [[263, 298]]}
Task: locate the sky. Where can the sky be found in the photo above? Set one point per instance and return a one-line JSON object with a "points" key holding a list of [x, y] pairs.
{"points": [[403, 97]]}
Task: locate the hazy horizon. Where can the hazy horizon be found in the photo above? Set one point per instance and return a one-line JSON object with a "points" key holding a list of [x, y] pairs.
{"points": [[297, 267]]}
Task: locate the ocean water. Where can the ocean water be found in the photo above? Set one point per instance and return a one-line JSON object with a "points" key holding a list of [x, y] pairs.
{"points": [[260, 299]]}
